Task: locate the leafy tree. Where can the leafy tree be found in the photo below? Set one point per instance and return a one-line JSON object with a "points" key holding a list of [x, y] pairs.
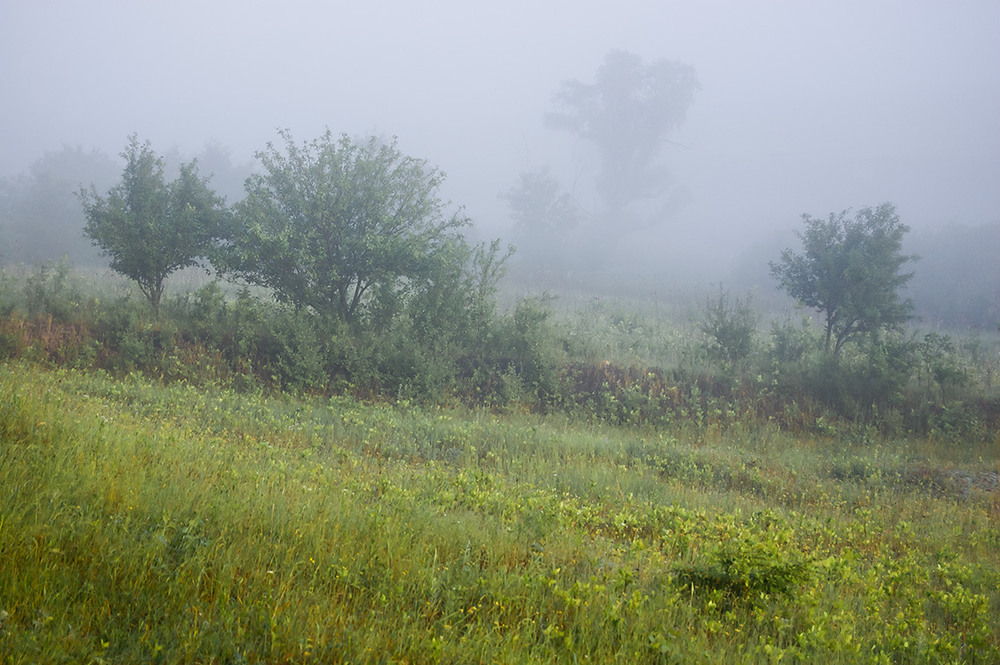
{"points": [[849, 271], [327, 222], [150, 228], [627, 113]]}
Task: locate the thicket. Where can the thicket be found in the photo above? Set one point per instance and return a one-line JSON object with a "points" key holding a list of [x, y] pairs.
{"points": [[447, 342]]}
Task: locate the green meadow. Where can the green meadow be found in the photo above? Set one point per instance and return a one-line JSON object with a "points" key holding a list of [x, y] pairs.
{"points": [[152, 521]]}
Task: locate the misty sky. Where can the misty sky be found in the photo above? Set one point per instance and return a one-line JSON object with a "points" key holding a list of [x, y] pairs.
{"points": [[805, 106]]}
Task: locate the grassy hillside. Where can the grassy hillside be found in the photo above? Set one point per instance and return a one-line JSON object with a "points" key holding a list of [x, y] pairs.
{"points": [[143, 522]]}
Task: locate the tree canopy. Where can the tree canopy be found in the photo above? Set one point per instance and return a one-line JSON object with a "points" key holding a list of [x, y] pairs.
{"points": [[150, 228], [326, 222], [849, 270]]}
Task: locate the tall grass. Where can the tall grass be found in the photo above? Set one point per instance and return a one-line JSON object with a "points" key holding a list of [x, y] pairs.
{"points": [[168, 523]]}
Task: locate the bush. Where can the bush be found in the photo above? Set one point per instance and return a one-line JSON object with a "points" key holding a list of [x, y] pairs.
{"points": [[942, 372], [729, 327], [49, 290], [441, 340], [746, 568], [955, 421], [790, 343], [126, 336], [524, 345], [284, 346]]}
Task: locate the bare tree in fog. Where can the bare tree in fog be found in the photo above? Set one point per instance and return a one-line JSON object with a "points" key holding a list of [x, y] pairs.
{"points": [[626, 114]]}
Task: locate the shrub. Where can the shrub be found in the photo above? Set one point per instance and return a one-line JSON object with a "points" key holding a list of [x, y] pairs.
{"points": [[942, 373], [126, 337], [729, 327], [524, 344], [790, 343], [48, 290], [955, 421], [746, 568]]}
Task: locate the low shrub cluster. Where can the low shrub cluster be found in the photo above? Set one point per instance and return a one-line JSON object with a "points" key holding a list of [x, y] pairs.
{"points": [[447, 343], [429, 348]]}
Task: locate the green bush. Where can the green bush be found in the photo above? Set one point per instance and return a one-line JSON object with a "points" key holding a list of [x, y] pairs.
{"points": [[524, 345], [284, 346], [729, 328], [50, 291], [790, 343], [746, 569], [955, 421], [439, 339], [127, 337]]}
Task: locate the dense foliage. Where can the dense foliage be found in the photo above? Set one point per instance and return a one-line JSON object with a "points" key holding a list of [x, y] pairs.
{"points": [[448, 342], [332, 222]]}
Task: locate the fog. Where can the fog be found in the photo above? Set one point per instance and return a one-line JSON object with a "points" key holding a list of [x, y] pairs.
{"points": [[803, 107]]}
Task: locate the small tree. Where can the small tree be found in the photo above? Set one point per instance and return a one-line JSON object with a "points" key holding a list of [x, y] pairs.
{"points": [[538, 207], [328, 222], [545, 217], [150, 228], [849, 271]]}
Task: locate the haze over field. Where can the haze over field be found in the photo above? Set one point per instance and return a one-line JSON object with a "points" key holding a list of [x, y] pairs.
{"points": [[802, 107]]}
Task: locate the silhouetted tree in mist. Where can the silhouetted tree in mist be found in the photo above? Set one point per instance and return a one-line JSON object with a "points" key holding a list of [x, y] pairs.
{"points": [[627, 114], [545, 217]]}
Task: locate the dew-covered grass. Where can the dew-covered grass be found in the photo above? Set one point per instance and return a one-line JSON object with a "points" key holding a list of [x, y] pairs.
{"points": [[144, 522]]}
